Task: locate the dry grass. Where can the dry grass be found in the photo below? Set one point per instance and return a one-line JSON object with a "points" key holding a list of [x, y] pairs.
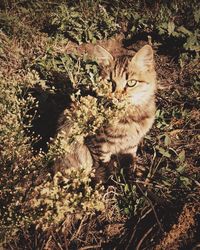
{"points": [[157, 210]]}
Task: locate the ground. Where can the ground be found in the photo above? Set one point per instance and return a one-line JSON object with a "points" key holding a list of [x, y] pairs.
{"points": [[42, 67]]}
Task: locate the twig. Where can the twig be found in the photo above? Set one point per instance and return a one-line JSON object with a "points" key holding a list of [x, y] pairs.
{"points": [[181, 130], [66, 242], [131, 238], [143, 238], [147, 212], [55, 240], [156, 217], [157, 165], [46, 244], [79, 228], [133, 233], [152, 184], [195, 181], [90, 247]]}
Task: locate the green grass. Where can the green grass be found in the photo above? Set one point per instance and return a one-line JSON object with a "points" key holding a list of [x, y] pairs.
{"points": [[39, 79]]}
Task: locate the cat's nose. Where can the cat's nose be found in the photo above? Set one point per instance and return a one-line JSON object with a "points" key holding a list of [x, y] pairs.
{"points": [[119, 93]]}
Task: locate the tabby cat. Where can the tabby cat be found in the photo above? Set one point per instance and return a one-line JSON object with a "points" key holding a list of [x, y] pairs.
{"points": [[133, 78]]}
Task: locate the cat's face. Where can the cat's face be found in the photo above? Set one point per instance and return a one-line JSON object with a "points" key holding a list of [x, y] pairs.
{"points": [[131, 78]]}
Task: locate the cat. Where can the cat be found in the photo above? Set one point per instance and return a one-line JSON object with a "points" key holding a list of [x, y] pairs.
{"points": [[132, 78]]}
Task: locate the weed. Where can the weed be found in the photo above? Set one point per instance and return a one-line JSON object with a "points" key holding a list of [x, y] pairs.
{"points": [[35, 69]]}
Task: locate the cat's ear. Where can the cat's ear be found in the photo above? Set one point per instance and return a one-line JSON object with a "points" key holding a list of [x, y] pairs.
{"points": [[144, 58], [102, 56]]}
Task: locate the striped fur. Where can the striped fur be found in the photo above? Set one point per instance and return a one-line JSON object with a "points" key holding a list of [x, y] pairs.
{"points": [[131, 78]]}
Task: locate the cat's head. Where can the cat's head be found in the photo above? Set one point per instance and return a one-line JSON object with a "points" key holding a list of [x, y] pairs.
{"points": [[134, 78]]}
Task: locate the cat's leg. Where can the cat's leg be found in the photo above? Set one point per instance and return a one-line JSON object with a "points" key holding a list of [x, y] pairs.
{"points": [[137, 167], [132, 150], [100, 149], [105, 157], [105, 151]]}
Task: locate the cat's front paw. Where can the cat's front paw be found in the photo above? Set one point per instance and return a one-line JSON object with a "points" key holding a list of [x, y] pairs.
{"points": [[105, 153], [105, 157]]}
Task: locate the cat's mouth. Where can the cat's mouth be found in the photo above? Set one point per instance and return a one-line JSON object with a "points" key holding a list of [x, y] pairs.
{"points": [[120, 95], [122, 100]]}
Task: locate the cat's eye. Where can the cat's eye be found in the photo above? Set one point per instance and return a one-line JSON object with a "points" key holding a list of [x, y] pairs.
{"points": [[132, 83], [113, 84]]}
